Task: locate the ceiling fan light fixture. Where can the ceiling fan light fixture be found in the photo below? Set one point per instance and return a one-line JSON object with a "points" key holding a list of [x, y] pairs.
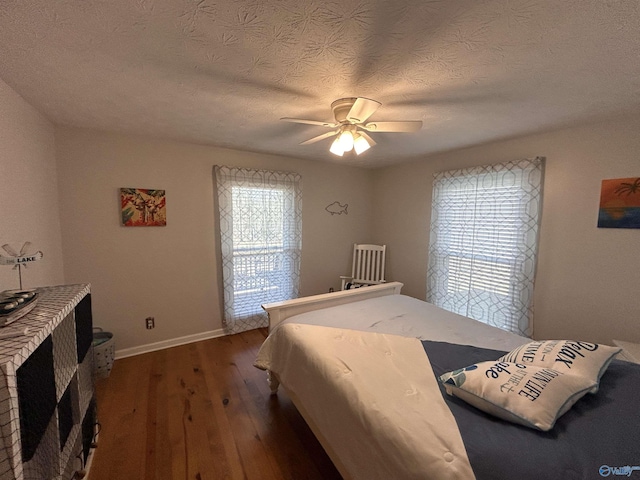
{"points": [[336, 148], [351, 115], [346, 140], [360, 144]]}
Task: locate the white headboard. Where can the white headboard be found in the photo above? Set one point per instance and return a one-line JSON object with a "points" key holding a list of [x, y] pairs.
{"points": [[279, 311]]}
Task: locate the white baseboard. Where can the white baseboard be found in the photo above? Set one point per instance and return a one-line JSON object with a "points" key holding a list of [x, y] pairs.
{"points": [[174, 342]]}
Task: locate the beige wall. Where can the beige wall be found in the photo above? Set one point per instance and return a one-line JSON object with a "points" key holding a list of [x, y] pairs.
{"points": [[588, 278], [171, 272], [28, 192]]}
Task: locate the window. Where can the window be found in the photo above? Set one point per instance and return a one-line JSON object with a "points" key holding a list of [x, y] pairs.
{"points": [[483, 243], [261, 239]]}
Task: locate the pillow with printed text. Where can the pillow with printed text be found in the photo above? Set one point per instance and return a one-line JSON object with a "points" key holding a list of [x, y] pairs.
{"points": [[524, 394], [589, 360]]}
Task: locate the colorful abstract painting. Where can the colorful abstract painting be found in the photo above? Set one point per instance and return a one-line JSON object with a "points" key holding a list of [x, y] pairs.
{"points": [[142, 207], [620, 203]]}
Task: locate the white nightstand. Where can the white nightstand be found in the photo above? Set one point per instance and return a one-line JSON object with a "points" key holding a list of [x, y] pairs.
{"points": [[630, 351]]}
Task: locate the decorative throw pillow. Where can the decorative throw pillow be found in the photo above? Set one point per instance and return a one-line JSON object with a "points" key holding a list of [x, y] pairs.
{"points": [[528, 395], [588, 360]]}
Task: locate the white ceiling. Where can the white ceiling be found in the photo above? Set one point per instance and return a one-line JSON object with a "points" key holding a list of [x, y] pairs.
{"points": [[223, 72]]}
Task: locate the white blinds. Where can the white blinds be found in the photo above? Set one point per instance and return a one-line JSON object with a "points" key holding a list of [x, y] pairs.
{"points": [[261, 241], [483, 243]]}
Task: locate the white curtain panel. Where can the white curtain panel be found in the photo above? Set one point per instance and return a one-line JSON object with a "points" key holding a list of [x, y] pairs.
{"points": [[261, 242], [484, 242]]}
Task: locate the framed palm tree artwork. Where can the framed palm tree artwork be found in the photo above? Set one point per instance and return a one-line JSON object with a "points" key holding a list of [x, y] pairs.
{"points": [[620, 203], [143, 207]]}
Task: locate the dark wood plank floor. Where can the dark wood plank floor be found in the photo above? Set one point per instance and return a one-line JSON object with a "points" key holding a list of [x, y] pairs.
{"points": [[201, 411]]}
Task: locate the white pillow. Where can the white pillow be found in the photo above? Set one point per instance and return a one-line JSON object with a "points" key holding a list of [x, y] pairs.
{"points": [[531, 396], [588, 360]]}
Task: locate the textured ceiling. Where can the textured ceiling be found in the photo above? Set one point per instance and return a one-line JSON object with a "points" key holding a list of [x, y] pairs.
{"points": [[223, 72]]}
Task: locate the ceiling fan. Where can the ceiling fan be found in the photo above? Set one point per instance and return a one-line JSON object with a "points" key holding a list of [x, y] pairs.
{"points": [[351, 116]]}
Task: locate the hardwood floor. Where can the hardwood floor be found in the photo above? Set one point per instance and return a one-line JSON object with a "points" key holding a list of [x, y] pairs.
{"points": [[201, 411]]}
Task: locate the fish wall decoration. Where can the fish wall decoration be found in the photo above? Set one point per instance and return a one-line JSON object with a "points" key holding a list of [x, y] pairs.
{"points": [[336, 208]]}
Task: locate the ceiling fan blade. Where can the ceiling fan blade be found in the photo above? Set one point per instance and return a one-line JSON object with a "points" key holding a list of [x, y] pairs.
{"points": [[367, 138], [320, 137], [362, 109], [309, 122], [401, 126]]}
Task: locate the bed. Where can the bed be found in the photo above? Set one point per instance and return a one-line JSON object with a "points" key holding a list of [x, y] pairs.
{"points": [[361, 366]]}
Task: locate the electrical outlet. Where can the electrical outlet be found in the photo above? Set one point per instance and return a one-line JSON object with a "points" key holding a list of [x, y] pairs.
{"points": [[151, 322]]}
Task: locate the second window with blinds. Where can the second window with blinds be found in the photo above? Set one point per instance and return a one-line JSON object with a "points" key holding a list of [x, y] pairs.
{"points": [[483, 242]]}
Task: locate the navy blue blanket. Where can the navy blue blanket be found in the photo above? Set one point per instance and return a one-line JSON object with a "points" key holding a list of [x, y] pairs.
{"points": [[600, 433]]}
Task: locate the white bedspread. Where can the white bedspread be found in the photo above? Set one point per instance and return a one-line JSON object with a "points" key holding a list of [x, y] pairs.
{"points": [[370, 386], [360, 376], [409, 317]]}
